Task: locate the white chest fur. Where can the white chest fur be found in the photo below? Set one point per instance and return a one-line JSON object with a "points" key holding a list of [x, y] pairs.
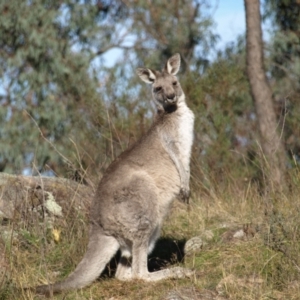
{"points": [[185, 132]]}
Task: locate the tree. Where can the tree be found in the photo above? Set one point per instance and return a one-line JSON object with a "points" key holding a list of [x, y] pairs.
{"points": [[47, 87], [272, 147], [284, 15], [284, 67], [61, 109], [170, 27], [225, 128]]}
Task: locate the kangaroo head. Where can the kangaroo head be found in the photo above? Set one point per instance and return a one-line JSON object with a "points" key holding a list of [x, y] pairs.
{"points": [[166, 89]]}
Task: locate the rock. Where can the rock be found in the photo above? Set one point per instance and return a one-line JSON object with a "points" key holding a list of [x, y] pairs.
{"points": [[207, 235], [22, 196], [52, 207], [196, 243], [239, 234], [9, 236], [247, 232], [193, 245]]}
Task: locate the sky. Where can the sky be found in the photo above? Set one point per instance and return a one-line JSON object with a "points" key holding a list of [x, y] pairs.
{"points": [[229, 16]]}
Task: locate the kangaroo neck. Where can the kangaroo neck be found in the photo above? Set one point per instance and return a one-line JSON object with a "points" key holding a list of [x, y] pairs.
{"points": [[167, 110]]}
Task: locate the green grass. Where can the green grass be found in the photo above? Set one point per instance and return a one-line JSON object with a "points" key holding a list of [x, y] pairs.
{"points": [[264, 265]]}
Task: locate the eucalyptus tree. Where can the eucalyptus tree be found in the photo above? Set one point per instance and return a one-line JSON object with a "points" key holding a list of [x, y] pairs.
{"points": [[62, 107], [47, 86], [272, 148], [284, 68]]}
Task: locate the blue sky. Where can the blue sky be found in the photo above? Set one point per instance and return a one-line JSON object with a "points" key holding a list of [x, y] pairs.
{"points": [[229, 16]]}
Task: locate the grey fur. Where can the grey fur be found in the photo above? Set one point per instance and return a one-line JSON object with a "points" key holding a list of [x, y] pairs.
{"points": [[137, 189]]}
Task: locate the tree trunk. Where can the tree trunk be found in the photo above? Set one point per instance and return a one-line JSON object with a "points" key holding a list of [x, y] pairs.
{"points": [[272, 148]]}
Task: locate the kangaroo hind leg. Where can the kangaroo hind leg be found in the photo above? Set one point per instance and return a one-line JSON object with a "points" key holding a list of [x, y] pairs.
{"points": [[124, 271], [140, 269]]}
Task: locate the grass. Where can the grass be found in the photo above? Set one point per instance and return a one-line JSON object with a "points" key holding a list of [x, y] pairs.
{"points": [[261, 265]]}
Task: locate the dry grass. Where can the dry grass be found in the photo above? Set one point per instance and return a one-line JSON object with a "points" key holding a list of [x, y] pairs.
{"points": [[263, 264]]}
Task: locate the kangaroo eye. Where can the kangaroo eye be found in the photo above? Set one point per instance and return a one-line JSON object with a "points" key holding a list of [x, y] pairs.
{"points": [[157, 89], [174, 83]]}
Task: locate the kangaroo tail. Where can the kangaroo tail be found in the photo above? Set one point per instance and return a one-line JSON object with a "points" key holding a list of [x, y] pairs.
{"points": [[100, 250]]}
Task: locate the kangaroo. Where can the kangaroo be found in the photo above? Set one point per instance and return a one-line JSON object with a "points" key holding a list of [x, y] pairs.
{"points": [[136, 191]]}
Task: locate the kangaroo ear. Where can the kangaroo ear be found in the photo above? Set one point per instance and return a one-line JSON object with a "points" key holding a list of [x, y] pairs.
{"points": [[146, 75], [173, 64]]}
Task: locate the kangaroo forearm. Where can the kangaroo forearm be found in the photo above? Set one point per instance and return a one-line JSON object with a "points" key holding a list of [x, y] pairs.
{"points": [[183, 173], [172, 150]]}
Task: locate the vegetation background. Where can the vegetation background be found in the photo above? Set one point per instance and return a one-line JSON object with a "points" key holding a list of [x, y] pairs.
{"points": [[65, 114]]}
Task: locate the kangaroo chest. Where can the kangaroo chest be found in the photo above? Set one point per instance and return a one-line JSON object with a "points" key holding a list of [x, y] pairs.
{"points": [[185, 133]]}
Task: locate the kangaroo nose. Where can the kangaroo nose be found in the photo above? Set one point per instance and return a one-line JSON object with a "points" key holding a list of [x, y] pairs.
{"points": [[171, 96]]}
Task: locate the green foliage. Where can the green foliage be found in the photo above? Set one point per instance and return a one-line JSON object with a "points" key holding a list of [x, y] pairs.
{"points": [[168, 28], [65, 113], [62, 110], [225, 123], [284, 15], [284, 67], [44, 78]]}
